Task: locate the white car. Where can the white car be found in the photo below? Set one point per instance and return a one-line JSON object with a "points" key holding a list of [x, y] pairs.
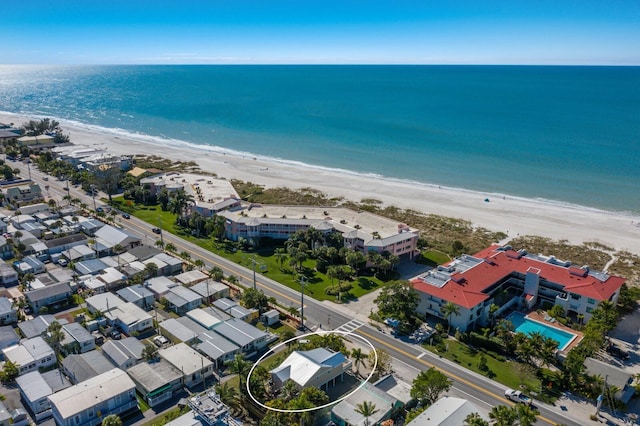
{"points": [[62, 262], [517, 396]]}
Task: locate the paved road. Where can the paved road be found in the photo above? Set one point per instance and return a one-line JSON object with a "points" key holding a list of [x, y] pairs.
{"points": [[478, 388]]}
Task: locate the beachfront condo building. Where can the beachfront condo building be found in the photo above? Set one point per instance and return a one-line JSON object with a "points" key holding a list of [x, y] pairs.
{"points": [[360, 230], [512, 280], [210, 194]]}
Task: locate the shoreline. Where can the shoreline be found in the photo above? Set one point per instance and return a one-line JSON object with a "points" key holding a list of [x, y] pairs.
{"points": [[513, 215]]}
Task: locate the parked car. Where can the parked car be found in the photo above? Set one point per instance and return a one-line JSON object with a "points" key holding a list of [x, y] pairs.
{"points": [[617, 351], [157, 230], [62, 262], [160, 341], [517, 396], [115, 334], [100, 210], [45, 178]]}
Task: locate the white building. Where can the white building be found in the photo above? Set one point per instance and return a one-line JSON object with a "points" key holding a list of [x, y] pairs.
{"points": [[195, 368], [89, 402], [30, 355], [318, 368]]}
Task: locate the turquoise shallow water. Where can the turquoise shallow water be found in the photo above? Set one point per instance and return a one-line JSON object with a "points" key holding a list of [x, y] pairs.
{"points": [[569, 134]]}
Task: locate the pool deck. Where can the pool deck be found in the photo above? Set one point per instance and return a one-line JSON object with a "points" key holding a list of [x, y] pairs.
{"points": [[539, 317]]}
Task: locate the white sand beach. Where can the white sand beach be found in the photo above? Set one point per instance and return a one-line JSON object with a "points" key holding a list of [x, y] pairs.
{"points": [[512, 215]]}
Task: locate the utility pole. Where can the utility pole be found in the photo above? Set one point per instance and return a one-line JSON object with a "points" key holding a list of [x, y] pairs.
{"points": [[68, 189], [303, 281], [254, 262], [93, 194]]}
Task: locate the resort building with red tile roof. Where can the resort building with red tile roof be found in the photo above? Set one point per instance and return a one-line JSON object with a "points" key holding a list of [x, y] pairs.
{"points": [[511, 280]]}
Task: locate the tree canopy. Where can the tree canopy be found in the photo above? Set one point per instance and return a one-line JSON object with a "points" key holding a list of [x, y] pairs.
{"points": [[398, 299], [428, 386]]}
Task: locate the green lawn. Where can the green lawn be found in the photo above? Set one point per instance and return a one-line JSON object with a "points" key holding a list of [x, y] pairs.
{"points": [[432, 258], [267, 263], [509, 373]]}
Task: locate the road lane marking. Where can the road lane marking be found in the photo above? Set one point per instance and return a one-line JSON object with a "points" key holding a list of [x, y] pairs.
{"points": [[419, 358], [447, 373], [214, 261]]}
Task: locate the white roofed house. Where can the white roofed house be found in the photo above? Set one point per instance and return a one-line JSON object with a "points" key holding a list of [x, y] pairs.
{"points": [[36, 387], [235, 310], [124, 353], [8, 314], [190, 278], [211, 290], [8, 275], [159, 286], [208, 318], [157, 381], [21, 195], [173, 265], [195, 368], [249, 338], [181, 299], [113, 278], [182, 329], [129, 318], [447, 411], [103, 302], [318, 367], [8, 337], [77, 339], [89, 402], [30, 355], [138, 295], [217, 348], [109, 237], [81, 367]]}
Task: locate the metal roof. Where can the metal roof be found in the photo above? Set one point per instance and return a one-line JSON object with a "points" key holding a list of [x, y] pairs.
{"points": [[91, 392]]}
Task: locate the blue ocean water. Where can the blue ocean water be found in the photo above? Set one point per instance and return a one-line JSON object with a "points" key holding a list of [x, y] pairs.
{"points": [[569, 134]]}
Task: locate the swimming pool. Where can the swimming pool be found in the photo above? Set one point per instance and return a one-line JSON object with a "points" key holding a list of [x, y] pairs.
{"points": [[527, 326]]}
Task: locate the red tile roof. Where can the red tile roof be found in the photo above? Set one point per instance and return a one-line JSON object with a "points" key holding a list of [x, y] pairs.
{"points": [[467, 288]]}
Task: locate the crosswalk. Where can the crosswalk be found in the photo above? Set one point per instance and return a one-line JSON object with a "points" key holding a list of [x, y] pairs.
{"points": [[350, 326]]}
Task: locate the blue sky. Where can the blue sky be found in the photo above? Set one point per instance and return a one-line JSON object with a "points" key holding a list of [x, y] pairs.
{"points": [[328, 31]]}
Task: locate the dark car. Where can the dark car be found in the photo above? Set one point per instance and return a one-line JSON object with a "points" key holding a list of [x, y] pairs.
{"points": [[115, 334], [126, 215], [157, 230], [617, 352]]}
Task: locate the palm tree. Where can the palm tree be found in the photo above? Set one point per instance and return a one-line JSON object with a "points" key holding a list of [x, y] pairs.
{"points": [[289, 391], [527, 415], [474, 419], [150, 352], [216, 273], [281, 256], [160, 244], [502, 416], [151, 269], [447, 310], [238, 365], [358, 358], [199, 264], [493, 308], [170, 247], [55, 336], [228, 394], [366, 409], [179, 203]]}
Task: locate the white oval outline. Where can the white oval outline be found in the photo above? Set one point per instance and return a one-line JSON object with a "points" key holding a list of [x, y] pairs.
{"points": [[319, 333]]}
